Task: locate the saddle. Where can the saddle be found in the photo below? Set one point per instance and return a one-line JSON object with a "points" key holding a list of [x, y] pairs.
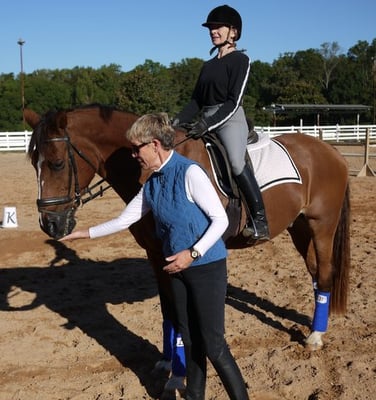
{"points": [[225, 180]]}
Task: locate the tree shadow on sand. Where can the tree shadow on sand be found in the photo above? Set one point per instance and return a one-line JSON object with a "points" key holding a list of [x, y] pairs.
{"points": [[79, 289]]}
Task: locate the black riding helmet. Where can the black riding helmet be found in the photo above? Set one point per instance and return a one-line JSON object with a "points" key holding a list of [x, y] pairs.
{"points": [[226, 16]]}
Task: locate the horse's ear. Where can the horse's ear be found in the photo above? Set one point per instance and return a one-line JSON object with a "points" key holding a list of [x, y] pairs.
{"points": [[31, 117], [61, 119]]}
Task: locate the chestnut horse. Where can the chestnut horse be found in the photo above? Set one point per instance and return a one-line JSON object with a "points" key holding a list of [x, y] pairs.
{"points": [[69, 147]]}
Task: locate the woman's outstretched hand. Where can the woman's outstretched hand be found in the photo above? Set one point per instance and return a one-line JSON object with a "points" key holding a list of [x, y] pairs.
{"points": [[82, 234]]}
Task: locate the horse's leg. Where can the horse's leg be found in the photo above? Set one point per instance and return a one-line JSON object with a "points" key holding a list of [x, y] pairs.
{"points": [[321, 311], [323, 239], [331, 237], [332, 242], [301, 236]]}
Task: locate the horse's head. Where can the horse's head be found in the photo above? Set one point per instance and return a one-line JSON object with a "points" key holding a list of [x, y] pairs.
{"points": [[62, 171]]}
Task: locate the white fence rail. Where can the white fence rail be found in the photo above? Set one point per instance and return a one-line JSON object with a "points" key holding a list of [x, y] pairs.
{"points": [[14, 141], [332, 133], [19, 141]]}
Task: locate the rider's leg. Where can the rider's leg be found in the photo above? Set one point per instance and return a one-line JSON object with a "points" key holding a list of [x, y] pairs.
{"points": [[233, 135], [257, 226]]}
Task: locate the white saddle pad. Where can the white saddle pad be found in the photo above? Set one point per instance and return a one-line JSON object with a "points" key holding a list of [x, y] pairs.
{"points": [[272, 163]]}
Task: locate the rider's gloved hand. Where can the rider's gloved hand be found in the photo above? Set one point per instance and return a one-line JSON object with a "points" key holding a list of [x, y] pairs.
{"points": [[198, 130]]}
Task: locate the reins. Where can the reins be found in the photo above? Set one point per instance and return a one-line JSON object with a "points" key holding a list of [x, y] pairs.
{"points": [[181, 142], [89, 189]]}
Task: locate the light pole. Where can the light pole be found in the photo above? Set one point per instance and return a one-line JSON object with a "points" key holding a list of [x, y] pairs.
{"points": [[21, 43], [374, 88]]}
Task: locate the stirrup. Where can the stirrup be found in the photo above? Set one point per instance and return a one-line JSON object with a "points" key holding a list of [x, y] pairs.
{"points": [[256, 230]]}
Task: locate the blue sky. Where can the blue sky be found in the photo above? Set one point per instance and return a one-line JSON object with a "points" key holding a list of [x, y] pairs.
{"points": [[92, 33]]}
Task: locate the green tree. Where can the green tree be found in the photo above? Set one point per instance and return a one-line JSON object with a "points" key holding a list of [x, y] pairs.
{"points": [[145, 89], [96, 85], [354, 82], [309, 65], [258, 93], [323, 75], [283, 74], [183, 77], [10, 104], [43, 94], [107, 81], [329, 53]]}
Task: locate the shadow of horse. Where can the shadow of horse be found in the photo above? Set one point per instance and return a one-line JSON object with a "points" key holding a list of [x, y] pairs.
{"points": [[79, 289]]}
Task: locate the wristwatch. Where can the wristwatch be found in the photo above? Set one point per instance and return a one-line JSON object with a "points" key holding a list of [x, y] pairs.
{"points": [[194, 253]]}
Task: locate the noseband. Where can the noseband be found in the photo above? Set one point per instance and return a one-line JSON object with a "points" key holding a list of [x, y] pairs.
{"points": [[77, 199]]}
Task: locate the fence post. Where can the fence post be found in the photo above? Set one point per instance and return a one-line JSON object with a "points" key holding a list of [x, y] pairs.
{"points": [[26, 141], [366, 169]]}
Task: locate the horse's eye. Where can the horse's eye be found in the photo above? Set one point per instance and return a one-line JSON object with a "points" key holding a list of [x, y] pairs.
{"points": [[56, 165]]}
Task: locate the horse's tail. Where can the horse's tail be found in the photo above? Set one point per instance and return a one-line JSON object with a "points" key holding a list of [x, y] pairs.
{"points": [[341, 259]]}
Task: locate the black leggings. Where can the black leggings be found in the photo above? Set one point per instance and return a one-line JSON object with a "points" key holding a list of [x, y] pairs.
{"points": [[200, 293]]}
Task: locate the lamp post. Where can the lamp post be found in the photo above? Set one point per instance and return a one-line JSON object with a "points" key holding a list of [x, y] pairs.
{"points": [[21, 43], [374, 88]]}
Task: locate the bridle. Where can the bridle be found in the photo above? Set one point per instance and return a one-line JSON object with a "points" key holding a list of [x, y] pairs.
{"points": [[80, 196], [77, 198]]}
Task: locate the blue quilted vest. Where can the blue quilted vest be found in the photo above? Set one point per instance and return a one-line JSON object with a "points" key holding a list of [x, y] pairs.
{"points": [[179, 222]]}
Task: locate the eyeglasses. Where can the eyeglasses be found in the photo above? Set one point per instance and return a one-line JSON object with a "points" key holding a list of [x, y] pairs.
{"points": [[137, 147]]}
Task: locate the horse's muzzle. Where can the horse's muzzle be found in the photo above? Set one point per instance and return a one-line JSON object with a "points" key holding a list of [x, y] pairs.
{"points": [[57, 224]]}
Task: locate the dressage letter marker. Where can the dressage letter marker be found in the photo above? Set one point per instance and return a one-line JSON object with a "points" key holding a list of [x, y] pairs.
{"points": [[10, 217]]}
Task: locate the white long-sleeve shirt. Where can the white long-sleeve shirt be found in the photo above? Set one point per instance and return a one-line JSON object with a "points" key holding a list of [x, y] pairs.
{"points": [[199, 189]]}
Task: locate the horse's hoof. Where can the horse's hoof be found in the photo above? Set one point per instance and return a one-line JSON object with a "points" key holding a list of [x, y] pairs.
{"points": [[314, 341]]}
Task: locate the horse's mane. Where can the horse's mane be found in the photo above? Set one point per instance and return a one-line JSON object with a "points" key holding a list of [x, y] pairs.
{"points": [[48, 122], [105, 111]]}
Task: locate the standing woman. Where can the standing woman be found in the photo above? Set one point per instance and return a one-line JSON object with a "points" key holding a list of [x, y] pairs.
{"points": [[190, 221], [218, 97]]}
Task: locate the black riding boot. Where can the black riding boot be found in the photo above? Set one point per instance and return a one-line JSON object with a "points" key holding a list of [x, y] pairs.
{"points": [[196, 374], [257, 226], [230, 375]]}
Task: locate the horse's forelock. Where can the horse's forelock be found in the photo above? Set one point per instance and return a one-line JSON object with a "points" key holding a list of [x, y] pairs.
{"points": [[47, 124], [35, 140]]}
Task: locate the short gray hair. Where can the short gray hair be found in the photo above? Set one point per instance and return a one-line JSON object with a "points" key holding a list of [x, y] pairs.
{"points": [[153, 126]]}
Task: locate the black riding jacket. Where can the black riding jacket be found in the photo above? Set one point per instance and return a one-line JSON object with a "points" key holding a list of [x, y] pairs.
{"points": [[221, 81]]}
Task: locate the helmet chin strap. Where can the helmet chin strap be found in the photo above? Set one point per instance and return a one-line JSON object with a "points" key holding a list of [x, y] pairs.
{"points": [[219, 46]]}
